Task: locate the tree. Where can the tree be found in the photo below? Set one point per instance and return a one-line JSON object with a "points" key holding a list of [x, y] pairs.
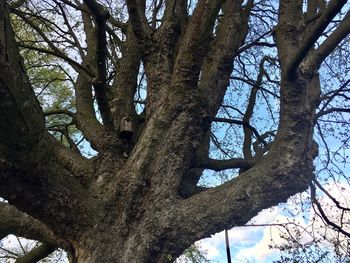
{"points": [[149, 86]]}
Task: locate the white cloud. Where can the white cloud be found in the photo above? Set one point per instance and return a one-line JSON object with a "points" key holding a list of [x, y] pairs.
{"points": [[266, 216], [272, 237], [256, 241], [210, 250], [261, 250]]}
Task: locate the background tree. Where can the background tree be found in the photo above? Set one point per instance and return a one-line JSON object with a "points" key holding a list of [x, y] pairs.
{"points": [[179, 72]]}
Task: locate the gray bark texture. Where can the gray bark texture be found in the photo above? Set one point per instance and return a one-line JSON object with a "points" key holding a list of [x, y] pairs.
{"points": [[137, 200]]}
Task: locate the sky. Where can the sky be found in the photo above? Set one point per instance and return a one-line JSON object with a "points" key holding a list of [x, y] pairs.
{"points": [[251, 244], [247, 244]]}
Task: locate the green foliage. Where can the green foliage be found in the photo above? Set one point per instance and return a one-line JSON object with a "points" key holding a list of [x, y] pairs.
{"points": [[51, 81], [193, 255]]}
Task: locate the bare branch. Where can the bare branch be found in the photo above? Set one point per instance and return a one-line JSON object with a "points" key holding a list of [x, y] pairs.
{"points": [[257, 42], [247, 142], [231, 32], [323, 214], [335, 201], [188, 60], [331, 96], [55, 51], [77, 66], [60, 111], [70, 30], [330, 110], [52, 203], [232, 121], [100, 81], [333, 40], [332, 9], [138, 19], [219, 165], [37, 253], [20, 224]]}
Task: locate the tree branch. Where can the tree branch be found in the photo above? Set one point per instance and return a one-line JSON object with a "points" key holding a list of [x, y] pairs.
{"points": [[330, 110], [36, 184], [247, 142], [125, 80], [329, 13], [123, 26], [138, 19], [333, 40], [335, 201], [322, 213], [231, 32], [77, 66], [22, 121], [20, 224], [70, 29], [257, 42], [55, 51], [37, 253], [190, 57], [176, 11], [61, 111], [231, 121], [219, 165], [49, 193], [264, 185], [100, 81], [330, 97]]}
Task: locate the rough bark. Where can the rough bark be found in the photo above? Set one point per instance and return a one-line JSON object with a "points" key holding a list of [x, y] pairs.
{"points": [[131, 206]]}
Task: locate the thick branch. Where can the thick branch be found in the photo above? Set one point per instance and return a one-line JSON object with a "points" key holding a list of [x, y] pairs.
{"points": [[75, 163], [22, 120], [123, 26], [50, 194], [188, 61], [21, 224], [138, 19], [219, 165], [125, 81], [285, 170], [217, 65], [329, 13], [333, 40], [101, 52], [36, 184], [87, 121], [262, 186], [175, 10], [37, 253]]}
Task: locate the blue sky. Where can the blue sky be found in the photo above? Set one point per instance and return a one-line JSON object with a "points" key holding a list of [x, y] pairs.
{"points": [[251, 244]]}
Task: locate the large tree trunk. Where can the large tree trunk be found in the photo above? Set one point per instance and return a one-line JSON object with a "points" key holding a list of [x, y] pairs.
{"points": [[138, 199]]}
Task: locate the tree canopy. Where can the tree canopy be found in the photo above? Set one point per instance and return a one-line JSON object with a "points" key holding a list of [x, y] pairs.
{"points": [[131, 129]]}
